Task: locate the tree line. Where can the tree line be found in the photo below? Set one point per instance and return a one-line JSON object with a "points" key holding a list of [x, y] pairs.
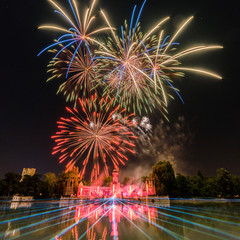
{"points": [[223, 185], [50, 185], [47, 186]]}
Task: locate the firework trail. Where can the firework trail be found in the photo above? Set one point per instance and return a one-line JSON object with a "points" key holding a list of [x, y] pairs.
{"points": [[141, 127], [78, 32], [134, 71], [94, 133], [142, 66], [136, 68], [83, 73], [127, 77]]}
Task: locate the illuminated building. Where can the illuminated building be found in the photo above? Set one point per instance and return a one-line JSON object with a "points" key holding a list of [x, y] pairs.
{"points": [[28, 172], [116, 190], [71, 183]]}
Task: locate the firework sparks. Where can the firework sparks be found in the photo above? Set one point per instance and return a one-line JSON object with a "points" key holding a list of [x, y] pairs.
{"points": [[92, 132], [164, 64], [142, 66], [83, 73], [138, 69], [141, 127], [125, 57], [78, 32]]}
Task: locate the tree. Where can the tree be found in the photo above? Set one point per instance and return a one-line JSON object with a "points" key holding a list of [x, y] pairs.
{"points": [[165, 181], [107, 181], [200, 175], [195, 184], [3, 186], [225, 183], [31, 185], [126, 181], [210, 188], [236, 185], [182, 186], [12, 180], [73, 175], [63, 177], [143, 179], [50, 180], [60, 185]]}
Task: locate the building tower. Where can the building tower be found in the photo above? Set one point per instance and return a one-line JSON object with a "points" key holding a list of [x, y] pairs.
{"points": [[28, 171], [71, 182], [115, 176], [115, 185]]}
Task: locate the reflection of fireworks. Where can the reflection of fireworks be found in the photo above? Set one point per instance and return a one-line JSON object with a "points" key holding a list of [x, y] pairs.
{"points": [[93, 133], [82, 73], [91, 233]]}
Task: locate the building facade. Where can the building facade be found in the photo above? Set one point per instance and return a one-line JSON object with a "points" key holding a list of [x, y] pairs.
{"points": [[28, 172]]}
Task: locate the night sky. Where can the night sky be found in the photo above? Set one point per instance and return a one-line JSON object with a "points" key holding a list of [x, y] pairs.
{"points": [[30, 106]]}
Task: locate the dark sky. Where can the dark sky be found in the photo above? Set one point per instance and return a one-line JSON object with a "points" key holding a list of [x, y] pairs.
{"points": [[30, 107]]}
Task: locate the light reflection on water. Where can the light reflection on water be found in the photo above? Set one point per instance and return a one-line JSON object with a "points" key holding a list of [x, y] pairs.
{"points": [[115, 218]]}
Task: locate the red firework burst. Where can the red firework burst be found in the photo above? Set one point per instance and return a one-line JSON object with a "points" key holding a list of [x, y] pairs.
{"points": [[94, 132]]}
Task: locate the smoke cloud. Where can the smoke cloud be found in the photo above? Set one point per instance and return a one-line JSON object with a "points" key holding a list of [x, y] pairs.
{"points": [[167, 142]]}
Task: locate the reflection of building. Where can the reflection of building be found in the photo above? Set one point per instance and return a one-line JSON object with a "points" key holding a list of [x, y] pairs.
{"points": [[28, 171], [11, 232], [15, 205]]}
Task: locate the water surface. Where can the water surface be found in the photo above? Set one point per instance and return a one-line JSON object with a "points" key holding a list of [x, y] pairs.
{"points": [[115, 218]]}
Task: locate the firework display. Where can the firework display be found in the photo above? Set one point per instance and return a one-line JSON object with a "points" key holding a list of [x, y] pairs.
{"points": [[128, 79], [134, 71], [78, 33], [142, 66], [82, 73], [94, 133]]}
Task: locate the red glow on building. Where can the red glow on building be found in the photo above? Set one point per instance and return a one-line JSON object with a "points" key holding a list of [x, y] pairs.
{"points": [[117, 190]]}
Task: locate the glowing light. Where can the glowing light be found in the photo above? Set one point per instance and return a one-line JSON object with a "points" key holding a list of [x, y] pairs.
{"points": [[198, 71], [78, 31], [142, 67], [93, 133], [82, 74]]}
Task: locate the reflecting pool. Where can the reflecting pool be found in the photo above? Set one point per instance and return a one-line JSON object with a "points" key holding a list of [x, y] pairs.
{"points": [[115, 218]]}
